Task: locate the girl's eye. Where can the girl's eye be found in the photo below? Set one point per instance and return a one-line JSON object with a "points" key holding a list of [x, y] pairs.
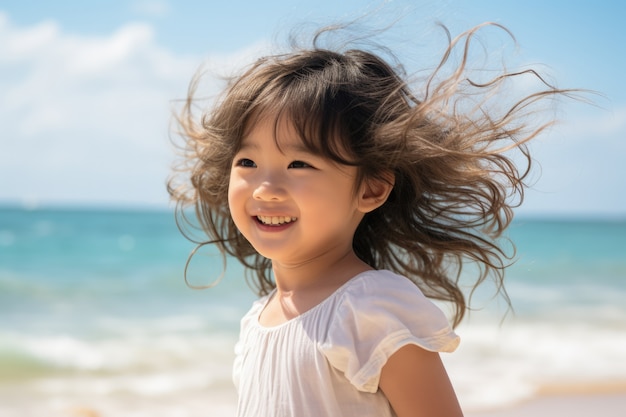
{"points": [[246, 163], [299, 164]]}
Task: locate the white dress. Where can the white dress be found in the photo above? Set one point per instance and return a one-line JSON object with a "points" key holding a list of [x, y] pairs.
{"points": [[327, 361]]}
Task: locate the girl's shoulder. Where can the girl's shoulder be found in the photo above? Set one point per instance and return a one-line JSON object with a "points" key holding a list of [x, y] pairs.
{"points": [[375, 314], [380, 281], [385, 295]]}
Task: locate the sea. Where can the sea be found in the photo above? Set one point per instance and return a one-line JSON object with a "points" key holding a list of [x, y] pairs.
{"points": [[96, 319]]}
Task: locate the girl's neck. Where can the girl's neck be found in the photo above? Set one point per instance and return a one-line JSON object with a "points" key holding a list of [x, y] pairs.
{"points": [[322, 274]]}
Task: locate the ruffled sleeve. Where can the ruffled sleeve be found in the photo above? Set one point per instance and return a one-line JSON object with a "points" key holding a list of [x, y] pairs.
{"points": [[376, 314]]}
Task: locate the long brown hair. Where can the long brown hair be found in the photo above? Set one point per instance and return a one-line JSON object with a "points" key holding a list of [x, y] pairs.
{"points": [[445, 141]]}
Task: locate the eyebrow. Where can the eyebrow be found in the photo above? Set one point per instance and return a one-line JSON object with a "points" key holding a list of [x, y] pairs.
{"points": [[294, 147]]}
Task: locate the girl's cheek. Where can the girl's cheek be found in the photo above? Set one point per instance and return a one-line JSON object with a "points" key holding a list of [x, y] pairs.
{"points": [[237, 195], [231, 195]]}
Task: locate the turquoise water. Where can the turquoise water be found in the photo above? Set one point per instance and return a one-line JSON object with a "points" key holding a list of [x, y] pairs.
{"points": [[94, 312]]}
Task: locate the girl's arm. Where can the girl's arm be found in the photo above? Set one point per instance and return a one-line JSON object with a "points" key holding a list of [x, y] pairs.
{"points": [[416, 384]]}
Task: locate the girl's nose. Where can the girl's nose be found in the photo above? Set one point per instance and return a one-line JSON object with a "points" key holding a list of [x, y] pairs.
{"points": [[269, 190]]}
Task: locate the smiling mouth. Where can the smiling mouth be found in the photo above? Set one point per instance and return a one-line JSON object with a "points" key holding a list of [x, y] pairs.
{"points": [[275, 220]]}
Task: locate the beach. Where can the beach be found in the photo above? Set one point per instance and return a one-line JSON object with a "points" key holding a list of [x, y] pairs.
{"points": [[96, 321], [574, 405], [218, 404]]}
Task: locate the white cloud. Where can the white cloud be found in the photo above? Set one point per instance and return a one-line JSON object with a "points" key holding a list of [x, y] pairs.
{"points": [[581, 165], [85, 119]]}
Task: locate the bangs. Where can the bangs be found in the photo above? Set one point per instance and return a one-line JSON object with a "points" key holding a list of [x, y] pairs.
{"points": [[321, 113]]}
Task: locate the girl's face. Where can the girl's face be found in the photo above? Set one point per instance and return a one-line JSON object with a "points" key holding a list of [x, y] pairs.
{"points": [[291, 205]]}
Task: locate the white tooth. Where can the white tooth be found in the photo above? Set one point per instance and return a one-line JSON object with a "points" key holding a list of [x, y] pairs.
{"points": [[276, 220]]}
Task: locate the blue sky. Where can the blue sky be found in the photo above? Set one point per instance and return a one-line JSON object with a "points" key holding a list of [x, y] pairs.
{"points": [[86, 88]]}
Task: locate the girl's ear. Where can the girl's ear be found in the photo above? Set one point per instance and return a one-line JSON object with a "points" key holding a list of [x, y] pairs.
{"points": [[374, 192]]}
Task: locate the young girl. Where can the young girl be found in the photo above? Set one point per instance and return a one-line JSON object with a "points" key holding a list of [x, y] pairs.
{"points": [[355, 198]]}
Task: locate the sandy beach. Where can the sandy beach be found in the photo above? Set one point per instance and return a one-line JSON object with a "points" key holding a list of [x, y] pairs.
{"points": [[576, 400], [605, 405]]}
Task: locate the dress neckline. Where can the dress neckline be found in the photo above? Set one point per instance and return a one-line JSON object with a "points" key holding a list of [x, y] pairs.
{"points": [[301, 316]]}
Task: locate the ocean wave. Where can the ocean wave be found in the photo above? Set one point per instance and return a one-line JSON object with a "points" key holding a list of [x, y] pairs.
{"points": [[498, 364], [36, 356]]}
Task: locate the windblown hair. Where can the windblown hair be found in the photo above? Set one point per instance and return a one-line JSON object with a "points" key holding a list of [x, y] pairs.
{"points": [[444, 142]]}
